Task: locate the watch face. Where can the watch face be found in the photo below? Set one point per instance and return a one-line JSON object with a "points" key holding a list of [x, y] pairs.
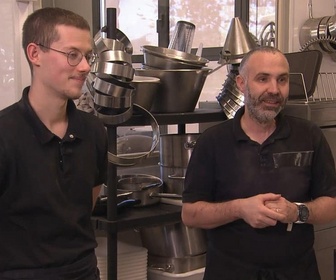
{"points": [[303, 213]]}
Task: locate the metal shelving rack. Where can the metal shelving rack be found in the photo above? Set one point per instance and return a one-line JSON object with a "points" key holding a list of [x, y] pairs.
{"points": [[151, 215]]}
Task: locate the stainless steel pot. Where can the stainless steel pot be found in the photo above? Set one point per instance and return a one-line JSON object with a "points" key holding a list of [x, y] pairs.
{"points": [[176, 149], [323, 33], [175, 152], [143, 187], [315, 33], [173, 178], [173, 240], [310, 31], [176, 265], [332, 26], [179, 89], [145, 90], [140, 186]]}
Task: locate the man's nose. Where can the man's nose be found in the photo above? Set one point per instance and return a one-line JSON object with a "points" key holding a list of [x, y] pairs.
{"points": [[84, 65], [274, 86]]}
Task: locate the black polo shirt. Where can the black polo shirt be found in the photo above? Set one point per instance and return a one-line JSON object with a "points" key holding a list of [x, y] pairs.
{"points": [[46, 187], [295, 161]]}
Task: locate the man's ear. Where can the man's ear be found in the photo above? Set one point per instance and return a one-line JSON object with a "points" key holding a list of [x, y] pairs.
{"points": [[240, 81], [33, 52]]}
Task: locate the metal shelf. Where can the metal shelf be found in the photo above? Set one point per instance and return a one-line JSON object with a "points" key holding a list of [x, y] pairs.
{"points": [[156, 214], [198, 116], [136, 217]]}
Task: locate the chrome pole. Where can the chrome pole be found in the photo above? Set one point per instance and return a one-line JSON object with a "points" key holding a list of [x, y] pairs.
{"points": [[103, 16]]}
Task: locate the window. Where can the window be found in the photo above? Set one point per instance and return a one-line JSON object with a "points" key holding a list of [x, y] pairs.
{"points": [[211, 18], [262, 20], [139, 21]]}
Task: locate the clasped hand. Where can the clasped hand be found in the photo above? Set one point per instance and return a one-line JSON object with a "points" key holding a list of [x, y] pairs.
{"points": [[265, 210]]}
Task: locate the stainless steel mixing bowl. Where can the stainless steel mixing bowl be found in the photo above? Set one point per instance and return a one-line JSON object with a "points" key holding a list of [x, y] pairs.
{"points": [[164, 58], [179, 89]]}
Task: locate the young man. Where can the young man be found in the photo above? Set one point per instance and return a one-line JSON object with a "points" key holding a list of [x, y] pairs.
{"points": [[53, 157], [260, 181]]}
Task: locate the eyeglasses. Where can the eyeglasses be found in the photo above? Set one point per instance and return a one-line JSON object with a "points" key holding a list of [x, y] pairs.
{"points": [[74, 57]]}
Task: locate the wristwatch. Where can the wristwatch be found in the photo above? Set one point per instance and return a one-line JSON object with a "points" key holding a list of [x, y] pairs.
{"points": [[303, 213]]}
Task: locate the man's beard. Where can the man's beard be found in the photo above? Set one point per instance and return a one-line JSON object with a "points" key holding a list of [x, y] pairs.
{"points": [[259, 111]]}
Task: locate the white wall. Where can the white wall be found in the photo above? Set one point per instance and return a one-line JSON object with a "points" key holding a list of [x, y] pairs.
{"points": [[14, 70]]}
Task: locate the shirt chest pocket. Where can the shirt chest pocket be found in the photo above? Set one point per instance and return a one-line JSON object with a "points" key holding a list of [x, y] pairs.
{"points": [[293, 159]]}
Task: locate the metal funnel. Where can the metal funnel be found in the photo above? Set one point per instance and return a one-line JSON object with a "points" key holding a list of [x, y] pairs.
{"points": [[238, 42]]}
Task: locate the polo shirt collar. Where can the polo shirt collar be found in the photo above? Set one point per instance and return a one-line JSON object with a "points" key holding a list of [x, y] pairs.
{"points": [[75, 125], [282, 127]]}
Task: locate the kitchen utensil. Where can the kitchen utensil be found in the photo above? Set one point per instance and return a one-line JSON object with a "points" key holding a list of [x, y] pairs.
{"points": [[132, 159], [113, 116], [120, 36], [146, 90], [332, 26], [175, 152], [120, 72], [230, 93], [123, 201], [112, 101], [230, 102], [112, 87], [141, 187], [179, 89], [183, 36], [121, 42], [314, 33], [173, 240], [238, 42], [133, 144], [107, 44], [164, 58], [176, 149], [323, 33], [199, 50], [146, 188], [108, 101], [120, 57], [309, 31], [187, 267]]}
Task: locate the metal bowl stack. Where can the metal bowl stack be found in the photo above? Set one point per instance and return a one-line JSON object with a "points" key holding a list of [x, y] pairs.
{"points": [[182, 77], [112, 75], [231, 98], [237, 44], [112, 85]]}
